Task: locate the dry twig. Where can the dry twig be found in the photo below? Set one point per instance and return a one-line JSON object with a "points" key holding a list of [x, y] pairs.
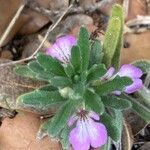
{"points": [[11, 24], [50, 29]]}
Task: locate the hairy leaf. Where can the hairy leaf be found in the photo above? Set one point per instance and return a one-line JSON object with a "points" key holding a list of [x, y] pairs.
{"points": [[116, 102], [51, 65], [83, 43], [117, 83], [96, 54], [93, 101], [41, 100]]}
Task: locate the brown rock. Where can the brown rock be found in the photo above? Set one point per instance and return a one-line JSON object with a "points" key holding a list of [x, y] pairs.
{"points": [[53, 5], [33, 21], [20, 134], [146, 146], [136, 7], [139, 47]]}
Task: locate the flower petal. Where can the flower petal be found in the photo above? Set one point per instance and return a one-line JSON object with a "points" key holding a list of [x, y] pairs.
{"points": [[117, 92], [93, 115], [61, 49], [136, 85], [130, 71], [72, 120], [109, 73], [97, 133], [79, 137]]}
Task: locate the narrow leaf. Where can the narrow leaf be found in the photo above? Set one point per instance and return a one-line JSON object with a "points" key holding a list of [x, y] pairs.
{"points": [[96, 53], [76, 58], [59, 81], [116, 84], [112, 129], [24, 71], [139, 109], [60, 119], [118, 13], [41, 73], [69, 70], [96, 72], [116, 102], [83, 43], [93, 101], [144, 65], [50, 64], [113, 37], [40, 99]]}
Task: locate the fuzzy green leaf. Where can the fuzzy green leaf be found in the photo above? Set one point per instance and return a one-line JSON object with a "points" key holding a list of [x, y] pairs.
{"points": [[51, 65], [41, 73], [116, 102], [96, 53], [76, 58], [59, 81], [24, 71], [113, 38], [139, 109], [59, 121], [144, 65], [116, 84], [69, 70], [65, 138], [110, 124], [40, 99], [83, 43], [96, 72], [93, 101]]}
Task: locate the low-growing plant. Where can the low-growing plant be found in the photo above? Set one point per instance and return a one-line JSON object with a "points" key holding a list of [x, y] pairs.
{"points": [[86, 86]]}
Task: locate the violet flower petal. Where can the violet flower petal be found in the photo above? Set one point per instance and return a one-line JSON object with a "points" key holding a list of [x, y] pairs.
{"points": [[97, 133], [136, 85], [94, 115], [61, 49], [79, 137], [130, 71], [109, 73], [72, 120]]}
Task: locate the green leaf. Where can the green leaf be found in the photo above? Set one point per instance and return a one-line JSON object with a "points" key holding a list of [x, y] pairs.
{"points": [[40, 99], [59, 121], [24, 71], [139, 109], [41, 73], [76, 58], [69, 70], [51, 65], [96, 53], [59, 81], [113, 38], [96, 72], [117, 83], [144, 65], [118, 122], [118, 13], [107, 146], [110, 124], [65, 138], [116, 102], [93, 101], [83, 43]]}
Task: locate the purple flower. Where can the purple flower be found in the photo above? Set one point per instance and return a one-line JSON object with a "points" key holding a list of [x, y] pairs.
{"points": [[61, 49], [87, 131], [130, 71]]}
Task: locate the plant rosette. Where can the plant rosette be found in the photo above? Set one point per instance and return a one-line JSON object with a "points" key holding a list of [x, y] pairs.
{"points": [[86, 85]]}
